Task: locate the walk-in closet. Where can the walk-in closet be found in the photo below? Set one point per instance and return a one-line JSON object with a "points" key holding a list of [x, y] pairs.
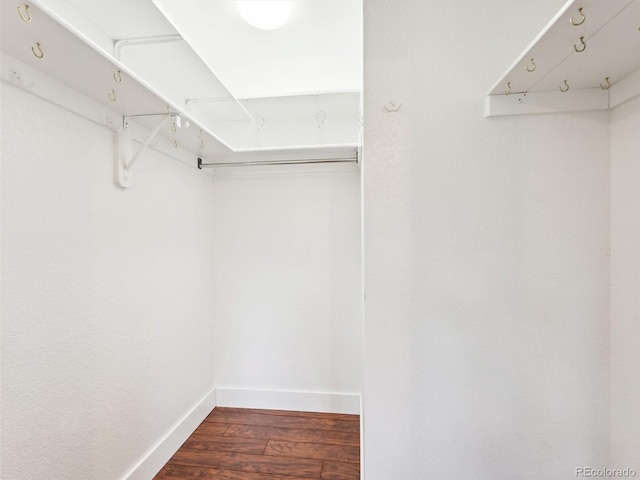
{"points": [[321, 239]]}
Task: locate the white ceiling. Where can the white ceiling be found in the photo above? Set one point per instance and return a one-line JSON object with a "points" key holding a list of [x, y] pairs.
{"points": [[318, 51]]}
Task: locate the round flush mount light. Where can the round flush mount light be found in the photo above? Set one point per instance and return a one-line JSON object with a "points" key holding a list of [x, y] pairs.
{"points": [[265, 14]]}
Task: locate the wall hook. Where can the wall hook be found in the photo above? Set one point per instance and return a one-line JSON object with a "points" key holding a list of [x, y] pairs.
{"points": [[118, 76], [392, 106], [173, 127], [533, 66], [175, 144], [39, 53], [201, 143], [508, 90], [575, 24], [566, 89], [112, 95], [607, 86], [584, 45], [26, 11], [200, 134]]}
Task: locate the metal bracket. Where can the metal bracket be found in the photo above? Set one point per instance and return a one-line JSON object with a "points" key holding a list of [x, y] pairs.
{"points": [[125, 157], [125, 147], [119, 44]]}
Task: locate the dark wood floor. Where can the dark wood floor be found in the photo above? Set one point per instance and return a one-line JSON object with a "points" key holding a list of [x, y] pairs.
{"points": [[249, 444]]}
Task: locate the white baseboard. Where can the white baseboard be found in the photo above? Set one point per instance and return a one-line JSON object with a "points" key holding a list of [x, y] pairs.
{"points": [[164, 449], [288, 400]]}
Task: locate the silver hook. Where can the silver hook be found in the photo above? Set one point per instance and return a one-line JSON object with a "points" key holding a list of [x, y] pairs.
{"points": [[607, 86], [26, 11], [175, 144], [118, 76], [566, 89], [41, 53], [508, 90], [584, 45], [173, 127], [581, 21], [533, 63], [200, 133], [201, 143], [112, 95]]}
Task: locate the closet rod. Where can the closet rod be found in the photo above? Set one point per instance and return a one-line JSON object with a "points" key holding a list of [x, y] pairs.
{"points": [[279, 162]]}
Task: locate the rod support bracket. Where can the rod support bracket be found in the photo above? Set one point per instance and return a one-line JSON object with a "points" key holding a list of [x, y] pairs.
{"points": [[125, 157]]}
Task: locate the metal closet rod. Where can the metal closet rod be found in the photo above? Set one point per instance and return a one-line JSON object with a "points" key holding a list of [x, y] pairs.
{"points": [[279, 162]]}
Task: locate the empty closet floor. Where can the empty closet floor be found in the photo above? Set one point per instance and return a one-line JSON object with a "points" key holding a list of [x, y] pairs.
{"points": [[249, 444]]}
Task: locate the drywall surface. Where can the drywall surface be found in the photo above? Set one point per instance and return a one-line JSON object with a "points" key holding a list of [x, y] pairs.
{"points": [[625, 286], [288, 290], [106, 309], [486, 256]]}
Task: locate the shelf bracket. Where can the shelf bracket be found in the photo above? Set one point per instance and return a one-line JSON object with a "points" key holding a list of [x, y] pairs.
{"points": [[125, 157]]}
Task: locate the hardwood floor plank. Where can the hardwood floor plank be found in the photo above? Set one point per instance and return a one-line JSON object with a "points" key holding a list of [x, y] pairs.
{"points": [[286, 421], [173, 471], [337, 453], [210, 428], [225, 444], [294, 434], [252, 444], [304, 468], [340, 471]]}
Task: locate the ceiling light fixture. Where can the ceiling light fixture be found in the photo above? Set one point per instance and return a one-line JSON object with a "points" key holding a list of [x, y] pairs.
{"points": [[265, 14]]}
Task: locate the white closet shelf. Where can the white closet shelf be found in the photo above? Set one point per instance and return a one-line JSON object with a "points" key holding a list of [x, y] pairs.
{"points": [[48, 55], [139, 40], [586, 58], [42, 47]]}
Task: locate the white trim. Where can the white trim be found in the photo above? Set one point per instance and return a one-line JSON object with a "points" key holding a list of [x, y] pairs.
{"points": [[361, 438], [289, 400], [547, 102], [625, 89], [163, 450]]}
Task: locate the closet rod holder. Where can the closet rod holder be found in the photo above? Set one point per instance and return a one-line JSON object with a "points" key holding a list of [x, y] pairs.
{"points": [[279, 162]]}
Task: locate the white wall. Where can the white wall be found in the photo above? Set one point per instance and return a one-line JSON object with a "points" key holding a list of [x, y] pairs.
{"points": [[287, 289], [106, 307], [625, 285], [486, 256]]}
